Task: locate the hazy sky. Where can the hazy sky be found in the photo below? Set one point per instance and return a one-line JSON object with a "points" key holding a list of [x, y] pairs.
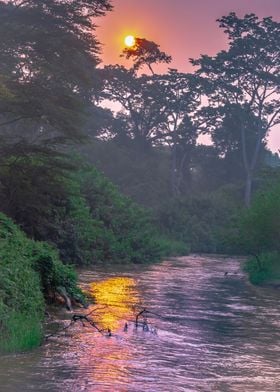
{"points": [[182, 28]]}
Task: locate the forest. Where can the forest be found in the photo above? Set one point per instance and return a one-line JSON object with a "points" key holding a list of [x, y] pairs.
{"points": [[82, 183]]}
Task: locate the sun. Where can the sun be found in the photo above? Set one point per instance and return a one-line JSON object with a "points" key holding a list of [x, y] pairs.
{"points": [[129, 41]]}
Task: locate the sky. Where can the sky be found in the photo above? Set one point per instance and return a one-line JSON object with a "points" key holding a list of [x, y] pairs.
{"points": [[183, 28]]}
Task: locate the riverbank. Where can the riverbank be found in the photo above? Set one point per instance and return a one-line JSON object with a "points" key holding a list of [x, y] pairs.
{"points": [[31, 272]]}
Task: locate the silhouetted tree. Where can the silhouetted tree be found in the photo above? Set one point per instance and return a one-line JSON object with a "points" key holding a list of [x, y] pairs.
{"points": [[245, 80], [142, 100], [227, 140], [157, 110], [147, 53], [181, 97]]}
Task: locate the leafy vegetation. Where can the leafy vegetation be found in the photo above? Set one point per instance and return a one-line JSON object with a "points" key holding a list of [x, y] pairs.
{"points": [[76, 209], [103, 226], [259, 235], [29, 271], [168, 194], [204, 222], [264, 268], [260, 225], [127, 232]]}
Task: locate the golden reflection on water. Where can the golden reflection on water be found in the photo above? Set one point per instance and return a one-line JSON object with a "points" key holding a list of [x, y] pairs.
{"points": [[115, 298], [119, 296]]}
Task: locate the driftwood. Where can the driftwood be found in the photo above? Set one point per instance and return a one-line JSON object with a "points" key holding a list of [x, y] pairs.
{"points": [[84, 319], [63, 293]]}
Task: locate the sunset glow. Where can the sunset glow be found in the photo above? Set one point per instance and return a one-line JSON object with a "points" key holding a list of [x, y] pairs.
{"points": [[129, 41], [188, 19]]}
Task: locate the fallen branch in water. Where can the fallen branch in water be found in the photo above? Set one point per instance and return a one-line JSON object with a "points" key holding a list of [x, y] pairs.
{"points": [[81, 318], [84, 318]]}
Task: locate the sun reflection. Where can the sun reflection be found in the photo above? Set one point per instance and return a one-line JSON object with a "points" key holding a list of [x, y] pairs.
{"points": [[119, 294], [112, 357]]}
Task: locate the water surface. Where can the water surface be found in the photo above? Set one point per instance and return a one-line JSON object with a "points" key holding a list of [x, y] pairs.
{"points": [[208, 332]]}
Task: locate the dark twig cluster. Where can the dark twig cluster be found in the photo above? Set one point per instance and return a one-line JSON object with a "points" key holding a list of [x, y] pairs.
{"points": [[141, 320]]}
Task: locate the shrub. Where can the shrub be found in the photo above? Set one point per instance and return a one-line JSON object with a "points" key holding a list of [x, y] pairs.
{"points": [[201, 222], [22, 304], [263, 268], [28, 271], [259, 228]]}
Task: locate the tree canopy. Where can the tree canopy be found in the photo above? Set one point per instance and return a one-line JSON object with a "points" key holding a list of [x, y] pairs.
{"points": [[244, 81], [48, 54]]}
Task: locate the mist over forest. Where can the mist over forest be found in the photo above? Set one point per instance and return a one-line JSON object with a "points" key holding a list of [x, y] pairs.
{"points": [[103, 164]]}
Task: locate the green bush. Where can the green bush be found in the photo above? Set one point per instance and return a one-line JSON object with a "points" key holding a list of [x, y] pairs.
{"points": [[259, 227], [127, 231], [79, 212], [53, 273], [204, 223], [28, 271], [263, 268], [22, 303]]}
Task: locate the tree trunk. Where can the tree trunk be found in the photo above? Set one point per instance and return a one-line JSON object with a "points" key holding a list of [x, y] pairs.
{"points": [[174, 172], [248, 190], [62, 291], [249, 166]]}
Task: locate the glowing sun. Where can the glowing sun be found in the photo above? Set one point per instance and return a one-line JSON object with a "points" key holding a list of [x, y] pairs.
{"points": [[129, 41]]}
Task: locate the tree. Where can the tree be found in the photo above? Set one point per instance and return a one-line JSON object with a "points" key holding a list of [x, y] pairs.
{"points": [[181, 98], [245, 81], [228, 142], [48, 54], [32, 186], [142, 100], [146, 52], [157, 110]]}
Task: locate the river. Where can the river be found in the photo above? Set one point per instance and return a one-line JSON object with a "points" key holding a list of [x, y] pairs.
{"points": [[208, 331]]}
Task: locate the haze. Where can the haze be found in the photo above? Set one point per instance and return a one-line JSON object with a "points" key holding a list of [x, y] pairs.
{"points": [[183, 28]]}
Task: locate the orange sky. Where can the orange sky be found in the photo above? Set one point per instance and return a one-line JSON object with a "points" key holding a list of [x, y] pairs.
{"points": [[182, 28]]}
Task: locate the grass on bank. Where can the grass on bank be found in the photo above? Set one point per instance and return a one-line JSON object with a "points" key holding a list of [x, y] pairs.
{"points": [[20, 332]]}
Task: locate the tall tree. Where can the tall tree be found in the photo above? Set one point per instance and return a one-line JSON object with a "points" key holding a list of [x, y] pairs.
{"points": [[228, 142], [182, 98], [147, 53], [245, 79], [142, 100], [157, 110], [48, 53]]}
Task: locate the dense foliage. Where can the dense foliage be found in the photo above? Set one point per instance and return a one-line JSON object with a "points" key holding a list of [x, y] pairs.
{"points": [[75, 208], [204, 222], [100, 225], [260, 225], [52, 92], [48, 55], [29, 271], [259, 235]]}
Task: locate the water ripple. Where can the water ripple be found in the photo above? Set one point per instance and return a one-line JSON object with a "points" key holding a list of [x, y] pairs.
{"points": [[216, 333]]}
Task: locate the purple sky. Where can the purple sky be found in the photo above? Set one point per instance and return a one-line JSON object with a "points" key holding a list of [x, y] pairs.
{"points": [[183, 29]]}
